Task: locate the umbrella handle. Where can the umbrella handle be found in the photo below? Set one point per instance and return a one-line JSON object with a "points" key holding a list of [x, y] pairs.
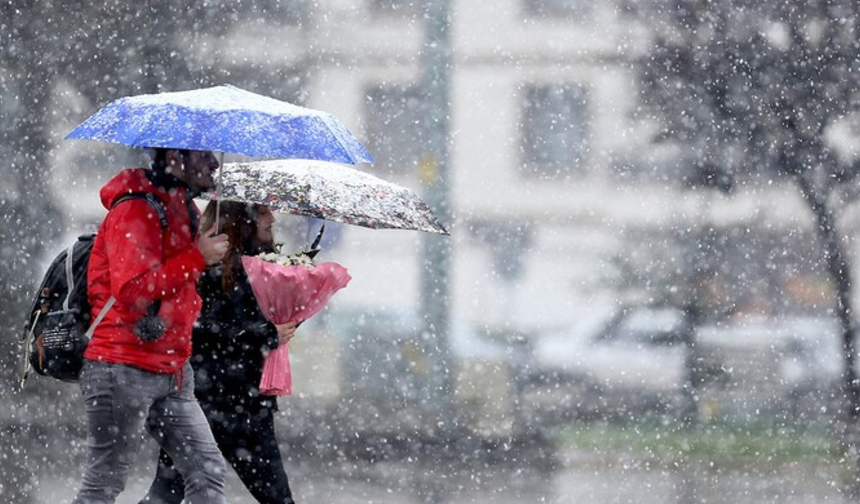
{"points": [[314, 250], [316, 242], [218, 187]]}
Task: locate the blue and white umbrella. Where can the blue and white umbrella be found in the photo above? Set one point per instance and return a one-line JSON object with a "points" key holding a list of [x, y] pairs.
{"points": [[224, 119]]}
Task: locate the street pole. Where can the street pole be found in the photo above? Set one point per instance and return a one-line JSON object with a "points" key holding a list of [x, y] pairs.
{"points": [[435, 261]]}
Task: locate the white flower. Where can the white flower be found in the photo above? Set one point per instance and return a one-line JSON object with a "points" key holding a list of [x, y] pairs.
{"points": [[297, 259]]}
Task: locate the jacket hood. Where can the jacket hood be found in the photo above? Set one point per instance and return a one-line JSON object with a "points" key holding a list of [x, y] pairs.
{"points": [[142, 180], [127, 181]]}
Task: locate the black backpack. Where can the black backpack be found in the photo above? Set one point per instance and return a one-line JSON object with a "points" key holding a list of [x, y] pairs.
{"points": [[58, 325]]}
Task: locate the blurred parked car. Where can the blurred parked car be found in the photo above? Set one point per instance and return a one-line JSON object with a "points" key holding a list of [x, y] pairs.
{"points": [[369, 371], [631, 360], [635, 360]]}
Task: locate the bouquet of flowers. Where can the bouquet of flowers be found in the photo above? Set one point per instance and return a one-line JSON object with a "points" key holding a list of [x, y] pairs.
{"points": [[289, 288]]}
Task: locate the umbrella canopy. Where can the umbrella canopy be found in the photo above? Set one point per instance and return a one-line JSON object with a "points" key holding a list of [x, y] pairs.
{"points": [[224, 119], [327, 191]]}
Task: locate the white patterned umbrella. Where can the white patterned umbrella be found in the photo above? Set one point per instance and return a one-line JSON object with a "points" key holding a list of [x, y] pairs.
{"points": [[328, 191]]}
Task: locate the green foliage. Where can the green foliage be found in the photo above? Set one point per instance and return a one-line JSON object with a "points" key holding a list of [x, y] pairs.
{"points": [[723, 444]]}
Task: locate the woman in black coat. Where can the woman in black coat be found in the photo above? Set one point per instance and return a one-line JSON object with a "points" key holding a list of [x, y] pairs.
{"points": [[230, 340]]}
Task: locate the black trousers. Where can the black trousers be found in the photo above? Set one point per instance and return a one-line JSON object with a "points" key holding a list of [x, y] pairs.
{"points": [[247, 441]]}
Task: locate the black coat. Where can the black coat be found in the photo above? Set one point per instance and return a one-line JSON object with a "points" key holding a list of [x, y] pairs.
{"points": [[230, 340]]}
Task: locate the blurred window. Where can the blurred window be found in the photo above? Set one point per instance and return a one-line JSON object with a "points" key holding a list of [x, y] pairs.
{"points": [[293, 13], [650, 327], [394, 134], [557, 8], [554, 130]]}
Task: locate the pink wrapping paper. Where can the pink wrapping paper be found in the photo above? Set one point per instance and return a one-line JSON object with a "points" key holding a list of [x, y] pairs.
{"points": [[277, 378], [290, 294]]}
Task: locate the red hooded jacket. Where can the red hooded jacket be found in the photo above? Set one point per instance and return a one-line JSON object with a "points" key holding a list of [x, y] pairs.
{"points": [[137, 262]]}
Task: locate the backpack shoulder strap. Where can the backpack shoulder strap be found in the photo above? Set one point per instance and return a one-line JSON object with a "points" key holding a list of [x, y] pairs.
{"points": [[150, 198], [105, 309]]}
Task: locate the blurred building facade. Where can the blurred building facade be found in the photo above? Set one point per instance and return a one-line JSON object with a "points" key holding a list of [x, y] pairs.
{"points": [[553, 177], [552, 173]]}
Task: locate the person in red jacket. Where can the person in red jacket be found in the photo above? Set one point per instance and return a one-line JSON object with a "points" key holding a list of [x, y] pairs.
{"points": [[136, 369]]}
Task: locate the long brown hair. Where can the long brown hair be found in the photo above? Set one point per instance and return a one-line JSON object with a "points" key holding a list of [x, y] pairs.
{"points": [[239, 222]]}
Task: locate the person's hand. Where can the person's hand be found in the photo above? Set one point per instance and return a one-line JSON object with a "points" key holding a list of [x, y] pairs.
{"points": [[286, 332], [213, 247]]}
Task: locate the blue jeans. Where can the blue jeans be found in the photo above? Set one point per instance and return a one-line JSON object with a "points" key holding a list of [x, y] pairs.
{"points": [[120, 400]]}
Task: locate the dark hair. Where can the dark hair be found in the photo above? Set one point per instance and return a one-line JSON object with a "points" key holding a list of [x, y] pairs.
{"points": [[159, 157], [239, 222]]}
